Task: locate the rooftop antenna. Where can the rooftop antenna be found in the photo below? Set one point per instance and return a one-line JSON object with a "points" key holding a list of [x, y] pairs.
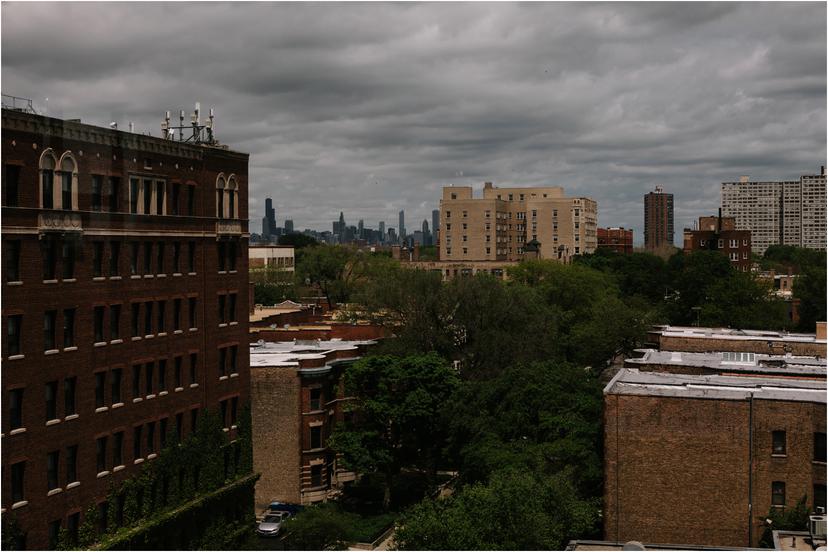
{"points": [[131, 126], [201, 133], [165, 126]]}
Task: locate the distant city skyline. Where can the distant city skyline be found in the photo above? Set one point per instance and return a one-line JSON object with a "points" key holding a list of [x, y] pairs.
{"points": [[373, 108]]}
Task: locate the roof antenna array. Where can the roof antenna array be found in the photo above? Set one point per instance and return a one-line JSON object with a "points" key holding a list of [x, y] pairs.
{"points": [[198, 133]]}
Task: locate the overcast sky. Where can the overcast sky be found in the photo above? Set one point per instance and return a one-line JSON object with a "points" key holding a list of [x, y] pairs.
{"points": [[372, 108]]}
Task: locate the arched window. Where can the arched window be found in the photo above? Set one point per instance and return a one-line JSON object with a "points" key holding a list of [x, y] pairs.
{"points": [[233, 196], [68, 182], [47, 166], [220, 185]]}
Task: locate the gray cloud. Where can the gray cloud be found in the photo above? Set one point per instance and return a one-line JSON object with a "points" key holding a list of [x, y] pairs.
{"points": [[371, 108]]}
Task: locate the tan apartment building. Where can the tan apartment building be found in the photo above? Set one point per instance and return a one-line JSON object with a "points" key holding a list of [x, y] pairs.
{"points": [[499, 225]]}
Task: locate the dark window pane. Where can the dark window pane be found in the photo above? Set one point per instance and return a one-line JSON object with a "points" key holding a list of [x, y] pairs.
{"points": [[778, 493], [779, 442], [12, 262], [100, 389], [14, 325], [72, 464], [100, 454], [66, 190], [116, 385], [69, 328], [115, 322], [819, 447], [16, 408], [51, 400], [69, 390], [97, 259], [48, 178], [11, 186], [97, 192], [114, 194], [114, 258], [52, 463]]}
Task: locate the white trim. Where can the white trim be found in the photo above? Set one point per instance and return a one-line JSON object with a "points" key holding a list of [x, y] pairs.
{"points": [[20, 504], [17, 431], [193, 385], [117, 405], [151, 396], [99, 344], [15, 283], [52, 422], [137, 400], [102, 474], [56, 490], [137, 461], [72, 485], [51, 352], [116, 341], [16, 357], [101, 409], [68, 349], [118, 468], [71, 417]]}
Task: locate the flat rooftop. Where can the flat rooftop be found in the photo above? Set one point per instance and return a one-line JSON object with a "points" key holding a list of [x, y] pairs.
{"points": [[612, 545], [763, 364], [289, 353], [630, 381], [730, 333]]}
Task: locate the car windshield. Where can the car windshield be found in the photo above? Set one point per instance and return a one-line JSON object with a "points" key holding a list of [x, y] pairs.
{"points": [[272, 518]]}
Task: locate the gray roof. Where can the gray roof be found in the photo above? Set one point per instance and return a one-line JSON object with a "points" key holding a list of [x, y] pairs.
{"points": [[629, 381], [289, 353], [742, 335], [765, 364]]}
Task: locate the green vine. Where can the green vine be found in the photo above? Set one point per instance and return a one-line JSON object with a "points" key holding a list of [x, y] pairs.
{"points": [[172, 487]]}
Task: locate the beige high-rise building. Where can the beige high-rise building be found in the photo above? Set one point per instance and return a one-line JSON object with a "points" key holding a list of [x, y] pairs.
{"points": [[498, 226]]}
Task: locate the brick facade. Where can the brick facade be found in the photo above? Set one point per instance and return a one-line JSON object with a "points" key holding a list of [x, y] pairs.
{"points": [[90, 347], [619, 240], [719, 234], [768, 345]]}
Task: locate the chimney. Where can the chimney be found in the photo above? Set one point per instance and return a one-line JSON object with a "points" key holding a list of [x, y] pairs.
{"points": [[488, 185], [395, 252], [820, 330]]}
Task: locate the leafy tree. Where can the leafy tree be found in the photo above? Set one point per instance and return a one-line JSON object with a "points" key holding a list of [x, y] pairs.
{"points": [[787, 519], [329, 268], [516, 510], [394, 422], [782, 257], [320, 527], [810, 289], [297, 240]]}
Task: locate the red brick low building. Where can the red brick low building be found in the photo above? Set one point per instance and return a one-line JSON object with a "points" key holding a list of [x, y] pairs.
{"points": [[124, 291], [719, 234], [619, 240], [701, 340]]}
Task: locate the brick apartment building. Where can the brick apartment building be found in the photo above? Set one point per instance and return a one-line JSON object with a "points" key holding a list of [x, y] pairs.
{"points": [[619, 240], [720, 234], [297, 395], [702, 459], [701, 340], [125, 287], [658, 219], [498, 226]]}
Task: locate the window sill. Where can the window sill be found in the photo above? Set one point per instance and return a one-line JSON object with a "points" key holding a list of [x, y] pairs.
{"points": [[115, 278], [118, 468], [150, 396], [223, 325], [71, 417], [136, 338], [177, 274], [234, 272], [234, 426], [17, 431], [234, 375], [177, 389], [68, 349], [193, 329], [178, 331], [69, 280], [52, 422], [117, 405], [226, 429], [222, 272], [151, 456], [116, 341], [779, 455], [99, 344], [137, 461], [148, 276], [137, 400], [193, 385], [53, 492], [162, 393], [222, 378], [102, 474], [135, 277], [51, 352], [818, 462], [191, 274], [72, 485], [16, 357], [162, 334], [160, 275], [15, 283], [20, 504], [234, 323], [50, 281], [98, 278], [149, 336], [101, 409]]}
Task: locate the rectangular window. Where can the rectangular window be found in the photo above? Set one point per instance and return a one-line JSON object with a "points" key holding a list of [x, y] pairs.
{"points": [[97, 192], [179, 427], [52, 466], [220, 204], [160, 193], [316, 398], [779, 442], [162, 432], [222, 300], [134, 248], [234, 410], [222, 361], [160, 261], [12, 263], [819, 447], [193, 420], [222, 256], [97, 259], [148, 258], [100, 389], [51, 400], [68, 328], [193, 367], [150, 437], [191, 200], [192, 312], [66, 190], [316, 475], [778, 493], [177, 314], [147, 197], [71, 464], [14, 324], [148, 318], [98, 325], [149, 373], [17, 476], [819, 498], [176, 258], [136, 442], [100, 454], [232, 308], [118, 449], [114, 194], [48, 178], [68, 260], [176, 194], [234, 350], [162, 374], [114, 258], [69, 393], [232, 255], [49, 252], [162, 316], [136, 319], [223, 407], [133, 195], [117, 375], [316, 437], [115, 322], [191, 258], [16, 408], [177, 372], [136, 381], [11, 186], [231, 196]]}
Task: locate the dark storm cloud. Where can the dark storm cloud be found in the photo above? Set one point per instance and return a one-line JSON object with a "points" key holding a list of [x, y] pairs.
{"points": [[371, 108]]}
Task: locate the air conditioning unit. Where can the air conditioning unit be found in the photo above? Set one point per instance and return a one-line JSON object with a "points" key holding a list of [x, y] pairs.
{"points": [[817, 528]]}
